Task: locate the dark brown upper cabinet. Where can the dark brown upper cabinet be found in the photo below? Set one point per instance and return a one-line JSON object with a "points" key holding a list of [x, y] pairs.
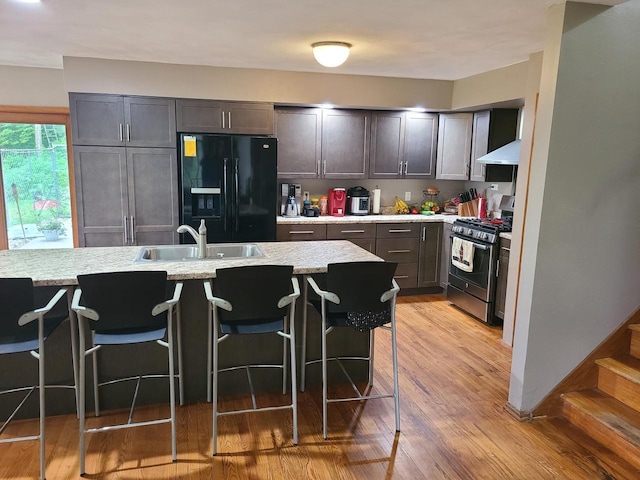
{"points": [[212, 116], [116, 120], [345, 143], [299, 133], [403, 145]]}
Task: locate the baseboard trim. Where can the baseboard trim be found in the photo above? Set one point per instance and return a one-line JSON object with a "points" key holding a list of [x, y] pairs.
{"points": [[520, 415]]}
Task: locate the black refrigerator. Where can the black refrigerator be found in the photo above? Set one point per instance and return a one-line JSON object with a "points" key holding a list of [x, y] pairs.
{"points": [[230, 181]]}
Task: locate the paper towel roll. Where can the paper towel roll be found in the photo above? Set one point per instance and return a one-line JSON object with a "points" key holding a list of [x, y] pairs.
{"points": [[376, 201]]}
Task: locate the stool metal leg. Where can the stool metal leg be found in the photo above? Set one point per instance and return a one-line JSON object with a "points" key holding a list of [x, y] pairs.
{"points": [[73, 328], [294, 373], [215, 382], [372, 343], [82, 396], [180, 367], [394, 350], [96, 396], [41, 388], [172, 385], [324, 371], [285, 343], [209, 351], [303, 363]]}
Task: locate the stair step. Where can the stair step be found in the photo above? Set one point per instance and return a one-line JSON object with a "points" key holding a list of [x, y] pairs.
{"points": [[620, 378], [635, 339], [607, 420]]}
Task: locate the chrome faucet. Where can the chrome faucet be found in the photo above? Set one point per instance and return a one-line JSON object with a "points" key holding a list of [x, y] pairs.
{"points": [[200, 237]]}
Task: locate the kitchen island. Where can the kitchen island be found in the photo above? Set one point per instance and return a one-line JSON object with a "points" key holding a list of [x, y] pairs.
{"points": [[59, 268]]}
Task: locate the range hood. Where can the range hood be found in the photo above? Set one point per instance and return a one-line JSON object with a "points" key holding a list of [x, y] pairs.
{"points": [[508, 154]]}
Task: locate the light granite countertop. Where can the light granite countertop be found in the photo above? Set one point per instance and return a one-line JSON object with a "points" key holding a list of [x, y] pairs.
{"points": [[327, 219], [61, 266], [506, 235]]}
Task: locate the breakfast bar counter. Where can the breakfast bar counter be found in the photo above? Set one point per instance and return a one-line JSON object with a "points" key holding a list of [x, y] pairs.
{"points": [[52, 269], [61, 266]]}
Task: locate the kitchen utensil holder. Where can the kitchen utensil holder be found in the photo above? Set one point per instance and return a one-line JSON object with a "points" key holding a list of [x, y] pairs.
{"points": [[469, 209]]}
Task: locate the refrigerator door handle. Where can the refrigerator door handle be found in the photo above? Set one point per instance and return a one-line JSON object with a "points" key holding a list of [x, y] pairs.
{"points": [[226, 196], [237, 197]]}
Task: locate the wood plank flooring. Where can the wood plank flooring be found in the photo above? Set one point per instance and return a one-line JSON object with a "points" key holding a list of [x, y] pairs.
{"points": [[454, 376]]}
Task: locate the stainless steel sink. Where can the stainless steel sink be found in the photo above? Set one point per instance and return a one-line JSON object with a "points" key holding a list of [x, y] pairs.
{"points": [[189, 253]]}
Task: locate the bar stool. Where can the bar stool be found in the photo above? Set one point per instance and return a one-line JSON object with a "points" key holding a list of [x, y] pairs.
{"points": [[252, 300], [360, 295], [25, 329], [124, 308]]}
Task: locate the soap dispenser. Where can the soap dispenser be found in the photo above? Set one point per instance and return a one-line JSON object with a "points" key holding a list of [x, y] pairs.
{"points": [[202, 239]]}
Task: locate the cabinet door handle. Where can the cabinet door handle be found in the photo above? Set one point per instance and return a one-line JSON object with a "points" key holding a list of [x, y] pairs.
{"points": [[400, 276], [324, 167], [128, 132], [506, 249], [222, 113], [400, 169], [229, 119], [303, 232], [406, 230], [406, 167], [126, 231], [133, 231], [497, 268], [318, 168], [351, 231], [424, 233], [398, 251], [120, 132]]}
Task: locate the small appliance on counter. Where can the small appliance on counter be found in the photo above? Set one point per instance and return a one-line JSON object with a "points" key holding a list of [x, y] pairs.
{"points": [[337, 201], [358, 201], [309, 209], [507, 205], [290, 199]]}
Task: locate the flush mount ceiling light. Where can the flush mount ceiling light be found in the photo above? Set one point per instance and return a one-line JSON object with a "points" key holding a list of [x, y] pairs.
{"points": [[331, 54]]}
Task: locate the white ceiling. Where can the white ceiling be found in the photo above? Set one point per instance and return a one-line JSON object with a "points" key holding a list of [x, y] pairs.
{"points": [[438, 39]]}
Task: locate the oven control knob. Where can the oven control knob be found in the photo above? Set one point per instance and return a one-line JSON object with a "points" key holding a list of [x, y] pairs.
{"points": [[485, 236]]}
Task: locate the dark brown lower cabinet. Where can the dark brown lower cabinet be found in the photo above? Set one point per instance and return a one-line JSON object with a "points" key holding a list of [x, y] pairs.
{"points": [[362, 234], [399, 242], [126, 196], [446, 253], [502, 271], [430, 247], [301, 232]]}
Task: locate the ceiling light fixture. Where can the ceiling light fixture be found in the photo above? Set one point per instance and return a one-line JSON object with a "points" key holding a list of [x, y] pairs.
{"points": [[331, 54]]}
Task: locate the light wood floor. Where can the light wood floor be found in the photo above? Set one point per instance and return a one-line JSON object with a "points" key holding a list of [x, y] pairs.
{"points": [[454, 375]]}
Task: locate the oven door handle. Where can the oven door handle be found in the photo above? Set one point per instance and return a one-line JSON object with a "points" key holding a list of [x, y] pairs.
{"points": [[479, 246]]}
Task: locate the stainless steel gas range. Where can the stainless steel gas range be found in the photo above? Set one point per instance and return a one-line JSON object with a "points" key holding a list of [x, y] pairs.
{"points": [[472, 265]]}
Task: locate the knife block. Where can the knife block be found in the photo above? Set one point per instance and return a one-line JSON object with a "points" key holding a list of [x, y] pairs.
{"points": [[469, 209]]}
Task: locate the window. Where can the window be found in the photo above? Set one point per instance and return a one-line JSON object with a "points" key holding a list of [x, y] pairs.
{"points": [[36, 185]]}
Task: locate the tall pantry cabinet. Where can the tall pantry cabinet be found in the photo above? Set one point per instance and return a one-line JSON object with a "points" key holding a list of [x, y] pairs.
{"points": [[125, 167]]}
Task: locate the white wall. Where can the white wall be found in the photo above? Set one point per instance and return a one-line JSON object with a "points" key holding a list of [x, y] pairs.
{"points": [[522, 191], [25, 86], [579, 277], [502, 84], [158, 79]]}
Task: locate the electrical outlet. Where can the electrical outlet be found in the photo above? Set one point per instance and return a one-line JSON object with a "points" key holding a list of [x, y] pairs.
{"points": [[407, 196], [494, 186]]}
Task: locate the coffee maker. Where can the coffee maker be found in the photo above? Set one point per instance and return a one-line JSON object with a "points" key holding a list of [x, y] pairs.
{"points": [[290, 199]]}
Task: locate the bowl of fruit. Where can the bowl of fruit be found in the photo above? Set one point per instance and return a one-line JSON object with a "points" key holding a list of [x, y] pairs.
{"points": [[429, 207]]}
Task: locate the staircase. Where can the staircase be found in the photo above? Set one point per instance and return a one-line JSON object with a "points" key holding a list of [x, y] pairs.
{"points": [[611, 413]]}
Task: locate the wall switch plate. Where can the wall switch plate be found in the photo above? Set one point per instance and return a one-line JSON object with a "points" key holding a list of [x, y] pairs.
{"points": [[407, 196], [494, 186]]}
